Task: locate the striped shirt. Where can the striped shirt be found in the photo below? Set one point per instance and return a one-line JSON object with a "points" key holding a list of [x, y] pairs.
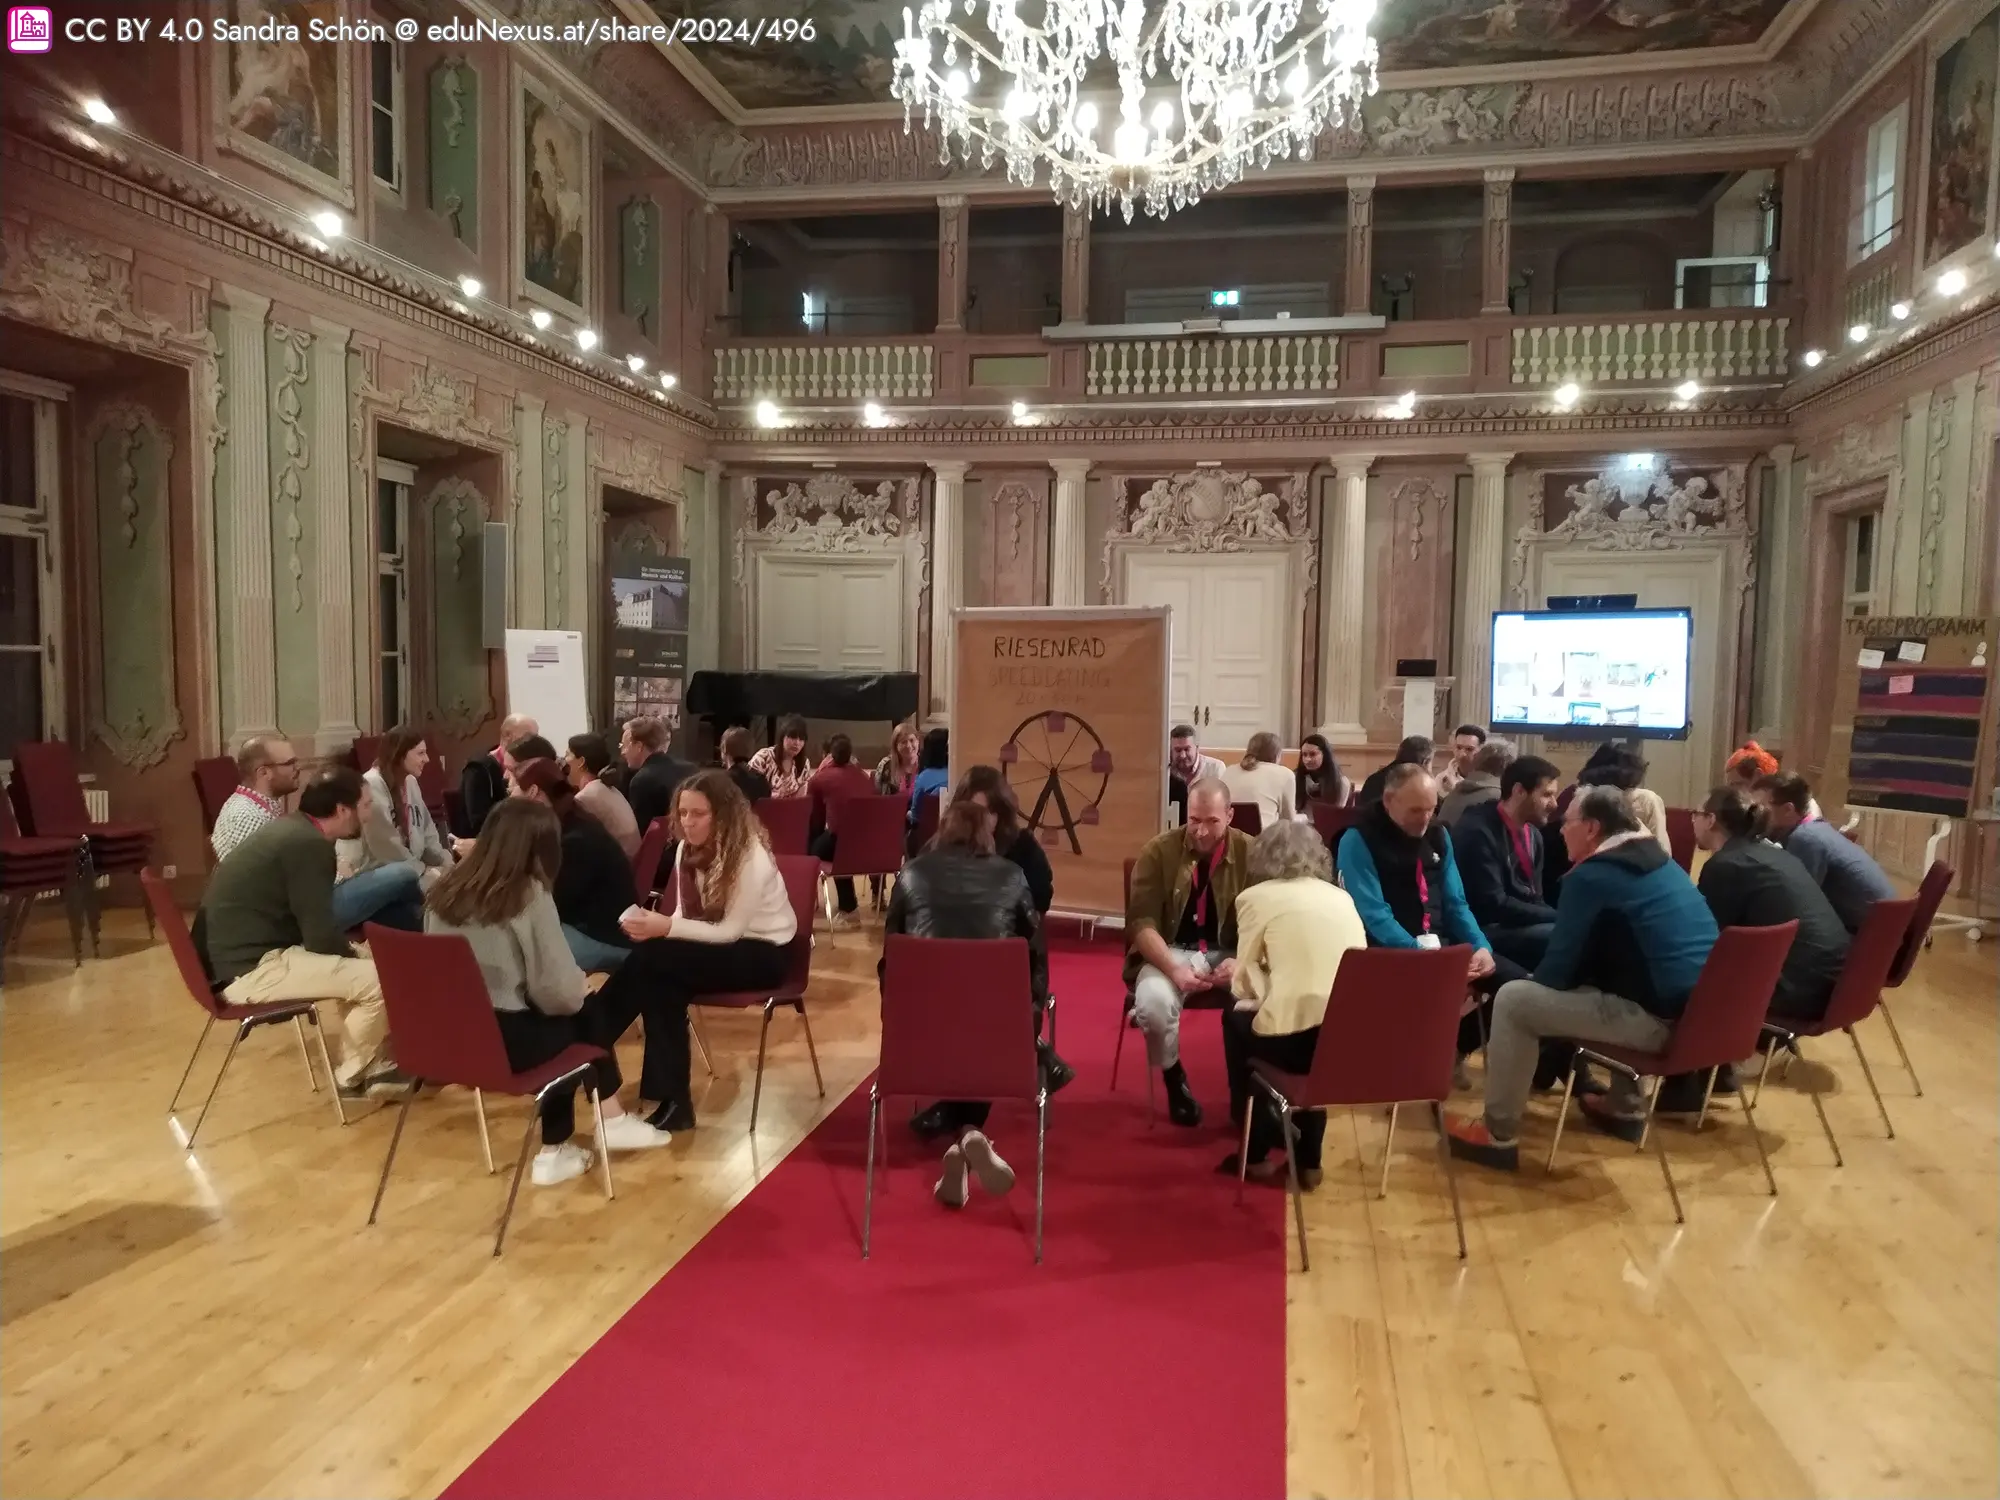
{"points": [[242, 815]]}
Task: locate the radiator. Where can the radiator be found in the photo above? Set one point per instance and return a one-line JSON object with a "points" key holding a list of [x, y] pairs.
{"points": [[98, 802]]}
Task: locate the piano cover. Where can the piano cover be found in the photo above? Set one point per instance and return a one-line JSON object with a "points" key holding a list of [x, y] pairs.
{"points": [[740, 697]]}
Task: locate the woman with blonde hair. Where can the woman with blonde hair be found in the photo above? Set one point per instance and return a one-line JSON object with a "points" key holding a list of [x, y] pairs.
{"points": [[498, 898], [730, 929], [1260, 778], [896, 772]]}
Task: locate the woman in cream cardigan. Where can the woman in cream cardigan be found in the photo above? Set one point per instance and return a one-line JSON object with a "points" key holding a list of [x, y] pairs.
{"points": [[1293, 925]]}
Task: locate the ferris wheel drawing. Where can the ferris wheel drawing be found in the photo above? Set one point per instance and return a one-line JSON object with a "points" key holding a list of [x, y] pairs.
{"points": [[1058, 768]]}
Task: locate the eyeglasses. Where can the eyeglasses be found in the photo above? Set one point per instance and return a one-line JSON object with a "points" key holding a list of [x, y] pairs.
{"points": [[283, 765]]}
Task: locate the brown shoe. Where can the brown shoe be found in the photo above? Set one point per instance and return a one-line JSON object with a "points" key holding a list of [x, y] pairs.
{"points": [[1310, 1178]]}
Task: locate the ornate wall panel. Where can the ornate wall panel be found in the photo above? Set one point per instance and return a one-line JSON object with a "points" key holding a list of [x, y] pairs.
{"points": [[454, 147], [1011, 535], [133, 706], [294, 530], [451, 514]]}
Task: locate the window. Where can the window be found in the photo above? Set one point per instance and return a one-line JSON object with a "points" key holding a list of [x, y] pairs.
{"points": [[392, 590], [1880, 197], [1858, 576], [385, 113], [30, 601]]}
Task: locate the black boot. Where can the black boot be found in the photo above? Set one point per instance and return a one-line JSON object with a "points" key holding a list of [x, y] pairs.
{"points": [[1182, 1107], [932, 1123], [675, 1114]]}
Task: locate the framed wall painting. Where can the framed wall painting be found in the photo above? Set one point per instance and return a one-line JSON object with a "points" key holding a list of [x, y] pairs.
{"points": [[553, 190], [288, 104], [1958, 187]]}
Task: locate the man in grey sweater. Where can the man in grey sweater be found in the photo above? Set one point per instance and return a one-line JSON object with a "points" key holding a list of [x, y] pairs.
{"points": [[1844, 870], [270, 933]]}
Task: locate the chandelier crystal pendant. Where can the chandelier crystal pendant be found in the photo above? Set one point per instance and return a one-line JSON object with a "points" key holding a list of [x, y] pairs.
{"points": [[1204, 89]]}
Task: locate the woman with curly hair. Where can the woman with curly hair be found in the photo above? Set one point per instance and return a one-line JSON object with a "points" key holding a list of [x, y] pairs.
{"points": [[729, 929]]}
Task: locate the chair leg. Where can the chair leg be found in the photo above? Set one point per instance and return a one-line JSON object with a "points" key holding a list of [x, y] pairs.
{"points": [[1901, 1051], [1562, 1115], [757, 1089], [1291, 1134], [1660, 1145], [152, 927], [603, 1155], [326, 1063], [868, 1190], [1757, 1139], [227, 1057], [811, 1051], [514, 1187], [1243, 1147], [395, 1140], [700, 1042], [1450, 1177], [485, 1140], [188, 1071], [1041, 1160], [1388, 1150], [305, 1054], [1118, 1051], [1707, 1093], [93, 908], [73, 908], [1869, 1074]]}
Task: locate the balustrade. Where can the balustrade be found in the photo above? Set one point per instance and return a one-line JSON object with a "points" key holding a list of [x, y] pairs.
{"points": [[1263, 364], [1676, 348], [815, 370]]}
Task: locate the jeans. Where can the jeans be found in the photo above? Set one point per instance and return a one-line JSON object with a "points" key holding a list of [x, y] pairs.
{"points": [[1525, 1012], [1524, 945], [593, 955], [391, 895], [1156, 1006], [532, 1039], [660, 977]]}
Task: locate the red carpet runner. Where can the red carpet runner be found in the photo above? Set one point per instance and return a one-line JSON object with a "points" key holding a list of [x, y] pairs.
{"points": [[1146, 1357]]}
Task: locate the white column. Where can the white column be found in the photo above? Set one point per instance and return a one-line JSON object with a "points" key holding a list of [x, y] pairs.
{"points": [[252, 670], [1069, 546], [1343, 587], [1485, 579], [947, 573], [332, 501]]}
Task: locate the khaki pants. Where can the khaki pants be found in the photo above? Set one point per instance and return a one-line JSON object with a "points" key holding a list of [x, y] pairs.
{"points": [[350, 983]]}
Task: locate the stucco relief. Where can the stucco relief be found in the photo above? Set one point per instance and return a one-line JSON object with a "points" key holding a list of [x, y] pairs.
{"points": [[1409, 500], [828, 513], [1642, 509], [636, 464], [1937, 454], [453, 510], [292, 451], [1861, 454], [133, 708], [1207, 510]]}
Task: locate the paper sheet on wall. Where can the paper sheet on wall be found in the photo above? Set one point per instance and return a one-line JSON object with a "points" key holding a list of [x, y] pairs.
{"points": [[1911, 651], [1898, 686], [545, 680], [1869, 658], [1419, 707]]}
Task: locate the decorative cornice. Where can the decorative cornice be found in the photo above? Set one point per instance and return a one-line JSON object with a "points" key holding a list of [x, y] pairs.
{"points": [[1981, 328]]}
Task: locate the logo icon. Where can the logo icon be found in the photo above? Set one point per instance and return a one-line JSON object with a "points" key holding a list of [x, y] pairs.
{"points": [[30, 28]]}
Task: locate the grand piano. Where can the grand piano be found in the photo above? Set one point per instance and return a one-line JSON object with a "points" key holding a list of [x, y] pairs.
{"points": [[724, 699]]}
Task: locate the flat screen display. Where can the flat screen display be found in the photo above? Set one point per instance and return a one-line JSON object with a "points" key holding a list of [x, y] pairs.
{"points": [[1560, 672]]}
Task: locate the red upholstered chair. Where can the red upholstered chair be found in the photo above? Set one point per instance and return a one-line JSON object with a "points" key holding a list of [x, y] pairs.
{"points": [[801, 872], [648, 867], [31, 868], [431, 783], [1214, 999], [928, 812], [788, 820], [194, 976], [1680, 835], [1870, 958], [48, 798], [958, 1022], [1931, 892], [214, 782], [869, 839], [1332, 821], [1723, 1019], [442, 1019], [1389, 1037], [1247, 816], [364, 750]]}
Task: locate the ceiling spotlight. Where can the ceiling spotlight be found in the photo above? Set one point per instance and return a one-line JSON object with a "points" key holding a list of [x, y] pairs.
{"points": [[472, 286], [328, 223], [1638, 460], [99, 112], [1568, 394], [1405, 407], [871, 413], [540, 319], [767, 414], [1900, 311], [668, 381], [1687, 390], [1812, 358], [1858, 334], [1020, 411], [1951, 283], [586, 339], [635, 363]]}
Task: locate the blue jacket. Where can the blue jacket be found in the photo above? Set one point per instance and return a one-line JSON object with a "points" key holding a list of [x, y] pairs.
{"points": [[1632, 924], [926, 782], [1359, 877]]}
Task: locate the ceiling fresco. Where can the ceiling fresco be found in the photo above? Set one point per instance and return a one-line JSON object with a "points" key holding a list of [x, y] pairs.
{"points": [[849, 61]]}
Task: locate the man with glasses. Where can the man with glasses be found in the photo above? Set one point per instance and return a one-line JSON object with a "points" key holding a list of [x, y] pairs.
{"points": [[267, 772]]}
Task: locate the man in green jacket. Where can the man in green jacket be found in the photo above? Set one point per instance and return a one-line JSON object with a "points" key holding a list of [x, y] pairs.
{"points": [[270, 933], [1180, 929]]}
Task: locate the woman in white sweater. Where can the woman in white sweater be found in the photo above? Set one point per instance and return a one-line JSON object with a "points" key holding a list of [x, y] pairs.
{"points": [[499, 900], [1260, 778], [399, 829], [731, 928]]}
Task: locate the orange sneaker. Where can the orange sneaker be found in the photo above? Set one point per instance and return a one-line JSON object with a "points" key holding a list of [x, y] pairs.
{"points": [[1469, 1140]]}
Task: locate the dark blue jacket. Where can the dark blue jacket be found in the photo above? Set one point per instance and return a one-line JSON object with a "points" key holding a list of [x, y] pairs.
{"points": [[1500, 894], [1632, 924]]}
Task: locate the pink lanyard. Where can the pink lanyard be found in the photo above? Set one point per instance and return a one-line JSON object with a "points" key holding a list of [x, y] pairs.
{"points": [[1423, 891]]}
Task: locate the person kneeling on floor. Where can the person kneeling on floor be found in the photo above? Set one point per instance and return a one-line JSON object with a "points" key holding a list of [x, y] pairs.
{"points": [[1631, 936], [960, 888]]}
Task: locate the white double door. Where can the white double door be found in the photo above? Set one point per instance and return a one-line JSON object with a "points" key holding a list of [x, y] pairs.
{"points": [[1233, 616], [830, 614]]}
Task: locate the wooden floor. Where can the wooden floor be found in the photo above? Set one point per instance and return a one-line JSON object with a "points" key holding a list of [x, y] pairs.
{"points": [[226, 1324]]}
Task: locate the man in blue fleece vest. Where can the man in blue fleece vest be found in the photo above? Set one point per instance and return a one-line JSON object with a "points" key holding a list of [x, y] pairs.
{"points": [[1631, 936]]}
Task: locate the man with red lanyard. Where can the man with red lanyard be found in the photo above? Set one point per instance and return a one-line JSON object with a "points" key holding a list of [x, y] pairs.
{"points": [[1498, 847], [267, 772], [1180, 929]]}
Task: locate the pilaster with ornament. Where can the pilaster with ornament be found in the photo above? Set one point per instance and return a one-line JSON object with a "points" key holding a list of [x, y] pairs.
{"points": [[332, 517]]}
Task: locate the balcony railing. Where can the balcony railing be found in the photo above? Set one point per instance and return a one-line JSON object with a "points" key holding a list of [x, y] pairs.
{"points": [[816, 370], [1669, 347], [1264, 365]]}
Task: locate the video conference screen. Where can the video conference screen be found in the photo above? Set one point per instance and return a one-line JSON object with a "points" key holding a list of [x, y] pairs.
{"points": [[1555, 672]]}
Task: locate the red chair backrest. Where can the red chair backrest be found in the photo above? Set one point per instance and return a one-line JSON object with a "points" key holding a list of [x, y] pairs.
{"points": [[1391, 1028], [167, 916], [1247, 816], [958, 1018], [439, 1010], [1870, 956], [646, 862], [1725, 1014], [1680, 835], [9, 828], [365, 748], [47, 795], [871, 836], [801, 872], [1930, 896], [214, 782], [1332, 820], [788, 820], [430, 782], [928, 812]]}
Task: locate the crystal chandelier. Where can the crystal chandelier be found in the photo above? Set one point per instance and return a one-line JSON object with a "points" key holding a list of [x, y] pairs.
{"points": [[1204, 90]]}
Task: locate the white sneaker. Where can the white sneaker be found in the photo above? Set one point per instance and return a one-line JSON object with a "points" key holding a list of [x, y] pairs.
{"points": [[630, 1133], [844, 921], [950, 1189], [559, 1164], [993, 1173]]}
